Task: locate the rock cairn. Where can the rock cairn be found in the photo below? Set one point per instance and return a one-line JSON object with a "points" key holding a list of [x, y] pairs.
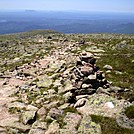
{"points": [[88, 77]]}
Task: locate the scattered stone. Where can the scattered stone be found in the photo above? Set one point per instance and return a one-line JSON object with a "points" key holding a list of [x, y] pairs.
{"points": [[38, 127], [118, 73], [81, 96], [53, 128], [29, 117], [13, 122], [92, 77], [31, 108], [18, 105], [55, 113], [85, 86], [109, 105], [37, 131], [64, 106], [72, 120], [108, 67], [68, 97], [42, 112], [47, 82], [80, 102]]}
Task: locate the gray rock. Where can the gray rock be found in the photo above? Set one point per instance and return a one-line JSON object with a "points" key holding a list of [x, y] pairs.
{"points": [[55, 113], [85, 91], [108, 67], [13, 122], [125, 122], [18, 105], [85, 86], [31, 108], [47, 82], [89, 127], [24, 87], [39, 124], [81, 96], [72, 120], [57, 83], [52, 104], [53, 128], [38, 127], [94, 49], [51, 91], [12, 131], [115, 89], [64, 106], [55, 66], [80, 102], [92, 77], [29, 117], [37, 131], [67, 97], [67, 131], [2, 130], [42, 112], [98, 104], [86, 70], [118, 73], [68, 87]]}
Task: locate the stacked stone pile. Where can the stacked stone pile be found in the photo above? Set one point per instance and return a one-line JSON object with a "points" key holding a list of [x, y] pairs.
{"points": [[88, 77]]}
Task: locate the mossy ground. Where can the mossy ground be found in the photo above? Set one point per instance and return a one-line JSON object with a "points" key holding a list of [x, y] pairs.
{"points": [[110, 126], [129, 111]]}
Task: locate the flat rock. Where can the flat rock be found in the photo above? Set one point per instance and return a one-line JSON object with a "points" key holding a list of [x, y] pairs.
{"points": [[46, 82], [13, 122], [102, 104]]}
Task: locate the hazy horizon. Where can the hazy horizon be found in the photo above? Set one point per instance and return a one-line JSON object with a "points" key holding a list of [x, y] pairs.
{"points": [[70, 5], [66, 22]]}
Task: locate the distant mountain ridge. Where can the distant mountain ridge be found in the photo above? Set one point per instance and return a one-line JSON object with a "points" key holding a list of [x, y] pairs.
{"points": [[66, 22]]}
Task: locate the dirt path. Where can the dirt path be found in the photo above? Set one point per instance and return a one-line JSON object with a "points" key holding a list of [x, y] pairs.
{"points": [[7, 87]]}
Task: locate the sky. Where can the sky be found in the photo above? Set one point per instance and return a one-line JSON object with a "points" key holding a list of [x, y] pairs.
{"points": [[69, 5]]}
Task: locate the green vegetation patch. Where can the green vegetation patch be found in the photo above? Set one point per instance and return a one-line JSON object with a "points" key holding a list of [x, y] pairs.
{"points": [[110, 126], [129, 111]]}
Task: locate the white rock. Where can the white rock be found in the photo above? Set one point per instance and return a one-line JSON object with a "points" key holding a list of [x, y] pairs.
{"points": [[110, 105], [108, 67], [80, 102]]}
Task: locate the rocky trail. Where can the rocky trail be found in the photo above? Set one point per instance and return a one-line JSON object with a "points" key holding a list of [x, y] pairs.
{"points": [[57, 94], [9, 82]]}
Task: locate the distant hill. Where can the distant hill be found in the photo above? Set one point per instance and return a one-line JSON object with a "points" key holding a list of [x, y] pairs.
{"points": [[66, 22]]}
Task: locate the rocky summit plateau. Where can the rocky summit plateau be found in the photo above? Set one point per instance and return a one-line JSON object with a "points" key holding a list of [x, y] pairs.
{"points": [[54, 83]]}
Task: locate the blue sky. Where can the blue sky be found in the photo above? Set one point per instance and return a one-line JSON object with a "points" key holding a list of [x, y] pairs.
{"points": [[61, 5]]}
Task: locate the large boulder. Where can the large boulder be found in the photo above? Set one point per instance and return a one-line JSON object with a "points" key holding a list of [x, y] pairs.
{"points": [[102, 104]]}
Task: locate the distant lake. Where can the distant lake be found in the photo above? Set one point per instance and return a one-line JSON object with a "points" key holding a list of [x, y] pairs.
{"points": [[66, 22]]}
